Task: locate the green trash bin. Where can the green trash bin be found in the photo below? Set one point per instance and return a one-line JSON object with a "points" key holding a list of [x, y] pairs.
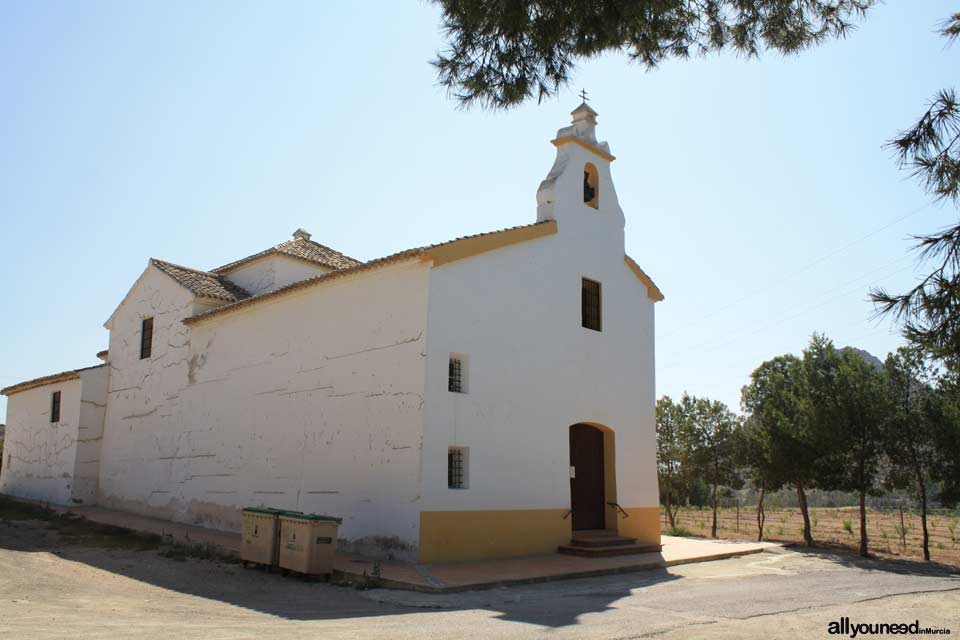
{"points": [[308, 542]]}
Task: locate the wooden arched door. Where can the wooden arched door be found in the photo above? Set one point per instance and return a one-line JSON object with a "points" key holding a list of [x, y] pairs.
{"points": [[587, 499]]}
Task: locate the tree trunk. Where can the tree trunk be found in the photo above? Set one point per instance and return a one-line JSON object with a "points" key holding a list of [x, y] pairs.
{"points": [[713, 528], [761, 515], [802, 501], [863, 523], [922, 487], [666, 504]]}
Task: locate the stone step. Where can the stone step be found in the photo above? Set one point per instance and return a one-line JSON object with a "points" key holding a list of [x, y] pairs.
{"points": [[614, 550], [611, 540]]}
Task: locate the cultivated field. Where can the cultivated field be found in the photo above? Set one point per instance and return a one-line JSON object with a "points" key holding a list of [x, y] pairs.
{"points": [[834, 527]]}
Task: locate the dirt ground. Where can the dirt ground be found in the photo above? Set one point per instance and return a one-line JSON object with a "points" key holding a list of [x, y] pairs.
{"points": [[62, 578], [829, 526]]}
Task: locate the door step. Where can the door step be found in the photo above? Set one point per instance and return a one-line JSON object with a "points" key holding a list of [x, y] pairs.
{"points": [[613, 550], [612, 540], [604, 542]]}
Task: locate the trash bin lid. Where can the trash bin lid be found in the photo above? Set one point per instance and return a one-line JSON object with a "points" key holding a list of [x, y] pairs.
{"points": [[296, 515], [264, 510]]}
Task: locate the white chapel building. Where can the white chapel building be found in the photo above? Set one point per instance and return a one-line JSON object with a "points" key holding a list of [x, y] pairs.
{"points": [[490, 396]]}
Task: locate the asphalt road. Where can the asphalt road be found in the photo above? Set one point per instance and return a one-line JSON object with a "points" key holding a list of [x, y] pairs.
{"points": [[52, 586]]}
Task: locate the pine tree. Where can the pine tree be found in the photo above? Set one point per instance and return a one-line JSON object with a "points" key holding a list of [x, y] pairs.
{"points": [[503, 52]]}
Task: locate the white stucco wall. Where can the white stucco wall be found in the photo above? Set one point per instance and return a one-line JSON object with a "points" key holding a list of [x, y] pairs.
{"points": [[39, 455], [93, 407], [333, 398], [533, 370], [273, 272], [312, 401]]}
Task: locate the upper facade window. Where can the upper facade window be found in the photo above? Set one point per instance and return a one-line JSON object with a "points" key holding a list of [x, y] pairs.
{"points": [[591, 183], [146, 338], [590, 302], [457, 374], [55, 407]]}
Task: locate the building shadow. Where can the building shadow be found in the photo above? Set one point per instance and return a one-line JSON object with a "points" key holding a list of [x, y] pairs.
{"points": [[550, 604], [577, 597]]}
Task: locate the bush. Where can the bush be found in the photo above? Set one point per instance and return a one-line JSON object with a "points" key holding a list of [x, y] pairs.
{"points": [[678, 531], [848, 525]]}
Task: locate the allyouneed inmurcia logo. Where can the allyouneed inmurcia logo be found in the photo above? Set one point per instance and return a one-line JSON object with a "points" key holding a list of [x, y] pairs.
{"points": [[843, 626]]}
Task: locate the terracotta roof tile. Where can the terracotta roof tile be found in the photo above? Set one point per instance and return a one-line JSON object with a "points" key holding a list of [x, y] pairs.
{"points": [[202, 283], [45, 380], [303, 248], [417, 252]]}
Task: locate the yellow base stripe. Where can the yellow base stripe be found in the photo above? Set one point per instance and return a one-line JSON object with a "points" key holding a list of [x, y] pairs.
{"points": [[643, 524], [454, 536]]}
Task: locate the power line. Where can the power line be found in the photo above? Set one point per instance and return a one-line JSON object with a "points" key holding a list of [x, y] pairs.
{"points": [[802, 269], [804, 309]]}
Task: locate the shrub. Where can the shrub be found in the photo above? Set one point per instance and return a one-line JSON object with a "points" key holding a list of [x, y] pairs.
{"points": [[678, 531], [848, 526], [902, 533]]}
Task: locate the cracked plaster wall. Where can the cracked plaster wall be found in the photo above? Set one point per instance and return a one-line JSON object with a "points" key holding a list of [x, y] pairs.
{"points": [[39, 455], [312, 401], [93, 408]]}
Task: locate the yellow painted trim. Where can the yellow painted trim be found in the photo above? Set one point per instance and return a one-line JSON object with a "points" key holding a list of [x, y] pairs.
{"points": [[643, 524], [586, 145], [653, 292], [455, 536], [610, 478], [467, 247], [441, 253]]}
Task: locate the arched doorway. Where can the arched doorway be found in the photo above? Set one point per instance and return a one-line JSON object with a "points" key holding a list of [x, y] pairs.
{"points": [[587, 477]]}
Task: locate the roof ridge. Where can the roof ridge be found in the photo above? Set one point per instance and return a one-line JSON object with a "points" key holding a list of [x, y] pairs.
{"points": [[185, 268], [329, 257], [414, 252], [202, 283], [52, 378], [326, 248]]}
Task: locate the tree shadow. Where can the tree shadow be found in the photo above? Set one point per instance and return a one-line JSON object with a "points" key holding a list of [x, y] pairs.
{"points": [[844, 556]]}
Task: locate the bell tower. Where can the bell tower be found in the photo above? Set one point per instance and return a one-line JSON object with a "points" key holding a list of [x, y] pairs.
{"points": [[579, 188]]}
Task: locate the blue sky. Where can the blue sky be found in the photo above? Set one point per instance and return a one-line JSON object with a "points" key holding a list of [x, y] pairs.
{"points": [[757, 193]]}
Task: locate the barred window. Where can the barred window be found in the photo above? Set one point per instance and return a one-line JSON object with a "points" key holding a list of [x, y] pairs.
{"points": [[146, 338], [55, 407], [590, 305], [457, 468], [455, 375]]}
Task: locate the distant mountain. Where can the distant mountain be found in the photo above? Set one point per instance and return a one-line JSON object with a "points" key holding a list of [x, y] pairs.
{"points": [[868, 357]]}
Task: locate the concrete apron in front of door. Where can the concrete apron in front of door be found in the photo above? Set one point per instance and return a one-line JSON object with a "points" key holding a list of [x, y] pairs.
{"points": [[486, 574]]}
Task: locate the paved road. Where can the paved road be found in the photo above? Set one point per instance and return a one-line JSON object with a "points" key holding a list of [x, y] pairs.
{"points": [[52, 587]]}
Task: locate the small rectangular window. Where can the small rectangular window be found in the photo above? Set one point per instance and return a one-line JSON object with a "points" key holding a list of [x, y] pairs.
{"points": [[590, 305], [457, 468], [456, 374], [146, 338], [55, 407]]}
